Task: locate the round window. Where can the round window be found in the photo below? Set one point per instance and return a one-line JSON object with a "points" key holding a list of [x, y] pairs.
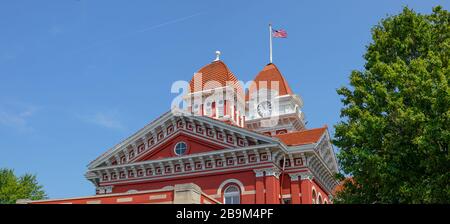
{"points": [[180, 148]]}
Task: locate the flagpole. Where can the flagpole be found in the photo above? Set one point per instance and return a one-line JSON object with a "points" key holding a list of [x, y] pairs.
{"points": [[270, 42]]}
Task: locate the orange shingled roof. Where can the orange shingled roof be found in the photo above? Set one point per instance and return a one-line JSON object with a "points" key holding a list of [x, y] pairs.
{"points": [[271, 73], [216, 73], [303, 137]]}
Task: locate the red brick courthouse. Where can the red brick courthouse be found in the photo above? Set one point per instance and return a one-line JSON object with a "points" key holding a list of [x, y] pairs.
{"points": [[220, 150]]}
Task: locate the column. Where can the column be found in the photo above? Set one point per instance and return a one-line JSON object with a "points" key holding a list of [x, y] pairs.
{"points": [[295, 188], [306, 187], [271, 181], [259, 196]]}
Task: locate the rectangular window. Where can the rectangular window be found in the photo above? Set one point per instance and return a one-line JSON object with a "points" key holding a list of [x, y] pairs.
{"points": [[232, 199], [220, 111]]}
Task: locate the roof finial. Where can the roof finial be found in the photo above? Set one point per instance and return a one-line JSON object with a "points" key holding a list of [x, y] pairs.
{"points": [[217, 56]]}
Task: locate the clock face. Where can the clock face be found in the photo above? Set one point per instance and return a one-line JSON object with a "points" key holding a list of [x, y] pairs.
{"points": [[264, 109]]}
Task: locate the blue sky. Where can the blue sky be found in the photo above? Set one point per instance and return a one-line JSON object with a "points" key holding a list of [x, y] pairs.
{"points": [[78, 76]]}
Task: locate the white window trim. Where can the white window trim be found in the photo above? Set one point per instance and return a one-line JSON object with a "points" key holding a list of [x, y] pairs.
{"points": [[228, 181]]}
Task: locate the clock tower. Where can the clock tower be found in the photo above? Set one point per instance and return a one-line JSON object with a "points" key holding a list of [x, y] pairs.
{"points": [[272, 107]]}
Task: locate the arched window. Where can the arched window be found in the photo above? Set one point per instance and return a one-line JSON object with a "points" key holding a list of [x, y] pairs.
{"points": [[232, 195], [180, 148], [314, 196], [319, 201]]}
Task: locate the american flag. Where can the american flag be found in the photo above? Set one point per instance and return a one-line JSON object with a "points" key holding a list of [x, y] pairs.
{"points": [[279, 33]]}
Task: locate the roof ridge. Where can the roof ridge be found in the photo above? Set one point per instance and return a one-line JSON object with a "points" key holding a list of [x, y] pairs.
{"points": [[304, 130], [110, 149]]}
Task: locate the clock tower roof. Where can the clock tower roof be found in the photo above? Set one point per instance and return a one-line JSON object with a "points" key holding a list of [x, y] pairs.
{"points": [[213, 75], [269, 74]]}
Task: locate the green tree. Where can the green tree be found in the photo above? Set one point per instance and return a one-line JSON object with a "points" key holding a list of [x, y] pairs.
{"points": [[23, 187], [395, 130]]}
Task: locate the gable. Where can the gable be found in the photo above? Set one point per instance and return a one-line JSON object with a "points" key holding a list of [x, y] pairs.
{"points": [[325, 150], [194, 145], [157, 133]]}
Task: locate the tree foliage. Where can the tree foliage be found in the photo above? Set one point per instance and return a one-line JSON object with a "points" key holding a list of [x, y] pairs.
{"points": [[13, 188], [395, 133]]}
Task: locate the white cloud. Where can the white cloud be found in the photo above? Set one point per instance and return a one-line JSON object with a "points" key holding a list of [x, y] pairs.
{"points": [[16, 115], [11, 53], [104, 119]]}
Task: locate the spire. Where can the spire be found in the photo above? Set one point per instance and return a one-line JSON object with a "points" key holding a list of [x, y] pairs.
{"points": [[217, 56]]}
